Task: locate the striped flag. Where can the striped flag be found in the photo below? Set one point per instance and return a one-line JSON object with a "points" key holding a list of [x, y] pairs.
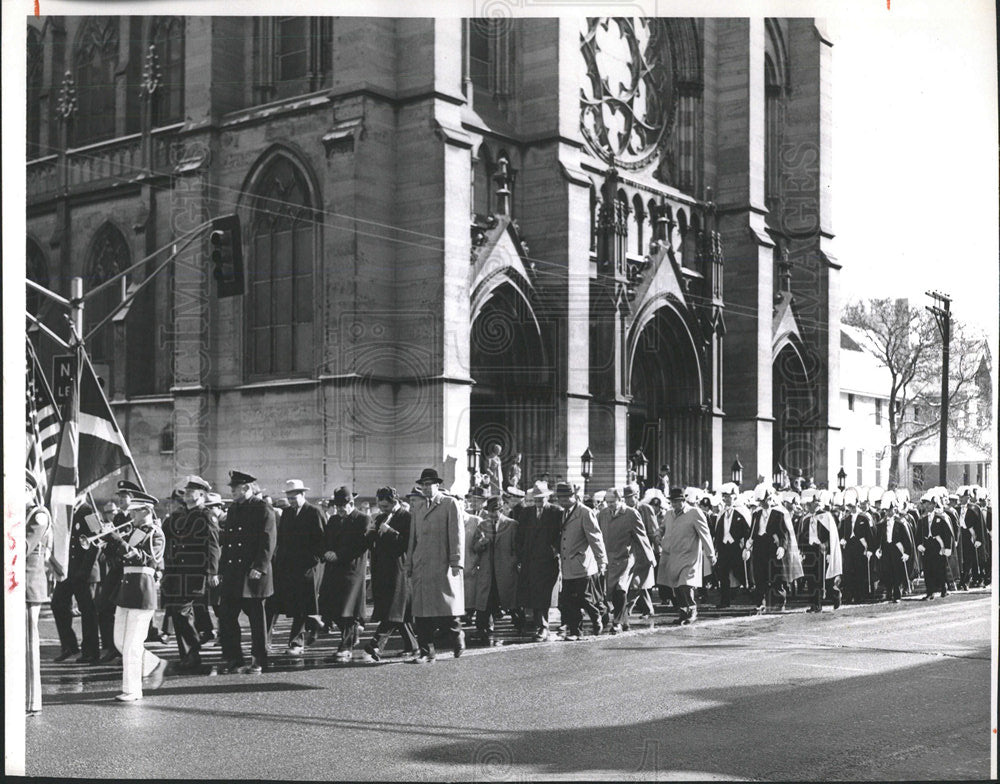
{"points": [[92, 446], [42, 424]]}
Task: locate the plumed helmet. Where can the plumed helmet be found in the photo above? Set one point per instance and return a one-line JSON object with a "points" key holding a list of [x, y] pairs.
{"points": [[851, 496], [875, 494], [889, 500]]}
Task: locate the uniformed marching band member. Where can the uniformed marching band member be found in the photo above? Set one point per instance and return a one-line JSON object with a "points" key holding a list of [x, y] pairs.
{"points": [[38, 537], [245, 576], [731, 534], [80, 583], [141, 555]]}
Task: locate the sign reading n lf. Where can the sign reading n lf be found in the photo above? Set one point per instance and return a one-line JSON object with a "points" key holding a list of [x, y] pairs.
{"points": [[64, 371]]}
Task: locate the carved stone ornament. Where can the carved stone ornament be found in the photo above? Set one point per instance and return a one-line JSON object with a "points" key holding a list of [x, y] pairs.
{"points": [[628, 94], [152, 76], [67, 104]]}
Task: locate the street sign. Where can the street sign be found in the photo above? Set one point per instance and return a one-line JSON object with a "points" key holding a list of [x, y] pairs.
{"points": [[64, 370]]}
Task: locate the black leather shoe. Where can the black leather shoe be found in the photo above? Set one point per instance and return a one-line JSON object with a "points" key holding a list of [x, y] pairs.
{"points": [[65, 655], [87, 659], [109, 656], [459, 647], [374, 652]]}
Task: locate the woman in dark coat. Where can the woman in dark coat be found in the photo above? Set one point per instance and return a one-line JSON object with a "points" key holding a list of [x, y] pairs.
{"points": [[342, 592], [388, 538], [298, 566]]}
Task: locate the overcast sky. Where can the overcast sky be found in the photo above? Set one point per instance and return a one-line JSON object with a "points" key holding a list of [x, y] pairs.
{"points": [[915, 148]]}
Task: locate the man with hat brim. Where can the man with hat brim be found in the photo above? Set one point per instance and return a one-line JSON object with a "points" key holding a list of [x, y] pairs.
{"points": [[435, 561], [516, 507], [475, 501], [80, 583], [934, 544], [342, 592], [893, 551], [298, 566], [644, 578], [857, 541], [770, 540], [730, 540], [583, 558], [628, 549], [819, 543], [494, 582], [972, 530], [537, 546], [682, 554], [246, 578], [191, 557], [141, 554], [388, 538]]}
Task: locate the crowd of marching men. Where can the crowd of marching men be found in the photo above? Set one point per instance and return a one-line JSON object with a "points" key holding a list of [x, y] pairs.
{"points": [[434, 562]]}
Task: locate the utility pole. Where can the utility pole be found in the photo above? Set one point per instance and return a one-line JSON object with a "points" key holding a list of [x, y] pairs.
{"points": [[942, 315]]}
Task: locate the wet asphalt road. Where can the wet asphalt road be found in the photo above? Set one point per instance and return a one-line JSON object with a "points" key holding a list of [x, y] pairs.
{"points": [[884, 692]]}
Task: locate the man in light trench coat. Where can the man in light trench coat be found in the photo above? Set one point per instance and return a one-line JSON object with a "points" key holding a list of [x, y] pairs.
{"points": [[436, 557], [680, 559]]}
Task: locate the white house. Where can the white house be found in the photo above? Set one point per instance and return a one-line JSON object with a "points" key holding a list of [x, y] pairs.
{"points": [[864, 404]]}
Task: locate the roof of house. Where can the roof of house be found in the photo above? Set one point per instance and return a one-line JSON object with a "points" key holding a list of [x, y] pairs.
{"points": [[861, 373]]}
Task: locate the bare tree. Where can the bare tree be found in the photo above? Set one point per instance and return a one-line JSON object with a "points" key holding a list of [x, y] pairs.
{"points": [[906, 340]]}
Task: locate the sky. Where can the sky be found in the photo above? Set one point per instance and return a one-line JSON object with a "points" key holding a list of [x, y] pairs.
{"points": [[915, 156]]}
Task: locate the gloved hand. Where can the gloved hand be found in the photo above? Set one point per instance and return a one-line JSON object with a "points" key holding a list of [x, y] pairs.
{"points": [[878, 553], [921, 548], [905, 557], [780, 553], [979, 544], [843, 543], [946, 553], [746, 555]]}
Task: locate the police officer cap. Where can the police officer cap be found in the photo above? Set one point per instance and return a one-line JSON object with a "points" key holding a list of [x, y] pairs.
{"points": [[125, 486], [141, 500], [237, 478]]}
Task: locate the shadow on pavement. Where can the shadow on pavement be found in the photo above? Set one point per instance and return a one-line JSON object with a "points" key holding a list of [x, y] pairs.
{"points": [[256, 687], [802, 729]]}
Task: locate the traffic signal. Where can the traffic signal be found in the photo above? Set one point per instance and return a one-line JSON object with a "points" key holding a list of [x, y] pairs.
{"points": [[226, 245]]}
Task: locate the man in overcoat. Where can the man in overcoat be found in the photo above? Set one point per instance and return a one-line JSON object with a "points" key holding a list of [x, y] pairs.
{"points": [[645, 578], [475, 501], [298, 566], [972, 529], [934, 541], [82, 575], [245, 577], [191, 556], [857, 541], [819, 543], [893, 551], [681, 554], [342, 592], [583, 558], [730, 539], [538, 555], [435, 560], [495, 579], [628, 549], [388, 538]]}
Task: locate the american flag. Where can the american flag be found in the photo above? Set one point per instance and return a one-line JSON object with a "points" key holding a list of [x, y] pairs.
{"points": [[42, 424]]}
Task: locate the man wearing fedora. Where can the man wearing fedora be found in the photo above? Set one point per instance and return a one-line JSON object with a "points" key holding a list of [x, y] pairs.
{"points": [[583, 557], [342, 592], [687, 539], [475, 501], [298, 566], [538, 555], [495, 580], [388, 538], [245, 577], [435, 562], [191, 557], [644, 577], [628, 548]]}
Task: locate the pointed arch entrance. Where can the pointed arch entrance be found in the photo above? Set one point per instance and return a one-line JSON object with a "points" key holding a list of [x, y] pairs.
{"points": [[512, 397], [666, 418], [792, 400]]}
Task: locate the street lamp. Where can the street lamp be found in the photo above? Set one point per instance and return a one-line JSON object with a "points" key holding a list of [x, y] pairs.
{"points": [[737, 472], [841, 479], [586, 467], [640, 462], [779, 474], [473, 453]]}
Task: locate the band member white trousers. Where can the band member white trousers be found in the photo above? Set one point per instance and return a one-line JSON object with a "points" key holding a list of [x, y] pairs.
{"points": [[131, 627], [33, 664]]}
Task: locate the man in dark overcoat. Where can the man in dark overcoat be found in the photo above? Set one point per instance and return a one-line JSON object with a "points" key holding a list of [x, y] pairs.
{"points": [[190, 557], [298, 566], [82, 575], [766, 549], [537, 546], [934, 541], [342, 592], [972, 529], [388, 537], [730, 538], [245, 577]]}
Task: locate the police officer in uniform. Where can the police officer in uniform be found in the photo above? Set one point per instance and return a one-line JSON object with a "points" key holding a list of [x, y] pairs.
{"points": [[245, 578], [191, 558], [80, 583]]}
